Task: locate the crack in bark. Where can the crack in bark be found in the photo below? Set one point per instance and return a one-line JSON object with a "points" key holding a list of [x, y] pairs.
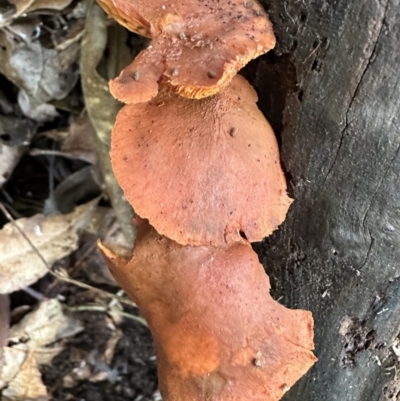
{"points": [[364, 220], [355, 93], [370, 246]]}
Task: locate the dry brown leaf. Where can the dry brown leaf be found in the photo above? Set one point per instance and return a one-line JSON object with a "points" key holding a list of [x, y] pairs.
{"points": [[101, 106], [114, 240], [80, 142], [28, 6], [111, 345], [9, 158], [27, 384], [32, 338], [13, 358], [44, 326], [21, 6], [48, 5], [54, 236]]}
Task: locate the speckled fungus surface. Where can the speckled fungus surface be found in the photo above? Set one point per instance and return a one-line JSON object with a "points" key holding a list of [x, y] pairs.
{"points": [[218, 333], [202, 172], [196, 48], [195, 156]]}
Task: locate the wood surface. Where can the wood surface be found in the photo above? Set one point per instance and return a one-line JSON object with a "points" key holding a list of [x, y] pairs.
{"points": [[331, 90]]}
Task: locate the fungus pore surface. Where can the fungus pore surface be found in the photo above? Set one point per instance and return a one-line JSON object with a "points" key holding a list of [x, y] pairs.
{"points": [[197, 46], [203, 172], [219, 335]]}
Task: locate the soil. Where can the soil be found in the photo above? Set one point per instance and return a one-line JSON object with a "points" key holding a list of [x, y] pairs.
{"points": [[133, 366]]}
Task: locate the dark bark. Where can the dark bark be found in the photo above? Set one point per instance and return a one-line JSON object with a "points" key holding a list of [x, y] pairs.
{"points": [[331, 89]]}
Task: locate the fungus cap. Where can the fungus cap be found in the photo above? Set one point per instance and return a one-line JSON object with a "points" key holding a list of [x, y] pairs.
{"points": [[203, 172], [218, 333], [197, 46]]}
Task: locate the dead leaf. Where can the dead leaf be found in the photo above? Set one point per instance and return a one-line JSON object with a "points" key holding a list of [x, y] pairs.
{"points": [[104, 225], [27, 384], [111, 345], [27, 6], [13, 358], [114, 240], [4, 324], [25, 28], [16, 130], [101, 106], [54, 237], [43, 74], [44, 326], [21, 6], [74, 189], [97, 271], [39, 112], [9, 158], [80, 141], [48, 5], [33, 341]]}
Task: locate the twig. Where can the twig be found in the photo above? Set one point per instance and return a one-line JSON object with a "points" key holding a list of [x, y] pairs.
{"points": [[395, 371], [34, 294], [94, 308], [114, 302], [49, 152], [56, 274], [291, 18], [316, 48]]}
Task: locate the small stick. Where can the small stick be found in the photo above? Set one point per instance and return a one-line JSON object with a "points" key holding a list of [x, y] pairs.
{"points": [[95, 308]]}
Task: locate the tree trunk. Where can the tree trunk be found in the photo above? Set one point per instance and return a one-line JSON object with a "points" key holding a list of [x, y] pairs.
{"points": [[331, 90]]}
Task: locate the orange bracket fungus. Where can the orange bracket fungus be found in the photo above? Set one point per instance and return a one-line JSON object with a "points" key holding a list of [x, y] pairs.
{"points": [[197, 159], [218, 333], [204, 171], [196, 48]]}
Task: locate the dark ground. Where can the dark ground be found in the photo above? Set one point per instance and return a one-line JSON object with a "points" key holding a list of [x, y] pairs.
{"points": [[132, 362]]}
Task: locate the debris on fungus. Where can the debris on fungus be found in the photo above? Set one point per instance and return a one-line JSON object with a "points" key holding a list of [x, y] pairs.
{"points": [[218, 333], [196, 48], [203, 172]]}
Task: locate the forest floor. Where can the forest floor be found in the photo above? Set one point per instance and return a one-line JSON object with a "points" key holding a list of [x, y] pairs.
{"points": [[66, 330]]}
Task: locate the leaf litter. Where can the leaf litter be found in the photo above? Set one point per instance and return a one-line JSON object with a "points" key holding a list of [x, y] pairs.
{"points": [[66, 331], [30, 340], [54, 236]]}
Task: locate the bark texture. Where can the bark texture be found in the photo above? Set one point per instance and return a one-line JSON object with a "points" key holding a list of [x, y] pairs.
{"points": [[331, 90]]}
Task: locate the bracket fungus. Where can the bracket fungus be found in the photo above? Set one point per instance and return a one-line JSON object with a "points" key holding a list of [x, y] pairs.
{"points": [[205, 171], [195, 157], [218, 333], [196, 48]]}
